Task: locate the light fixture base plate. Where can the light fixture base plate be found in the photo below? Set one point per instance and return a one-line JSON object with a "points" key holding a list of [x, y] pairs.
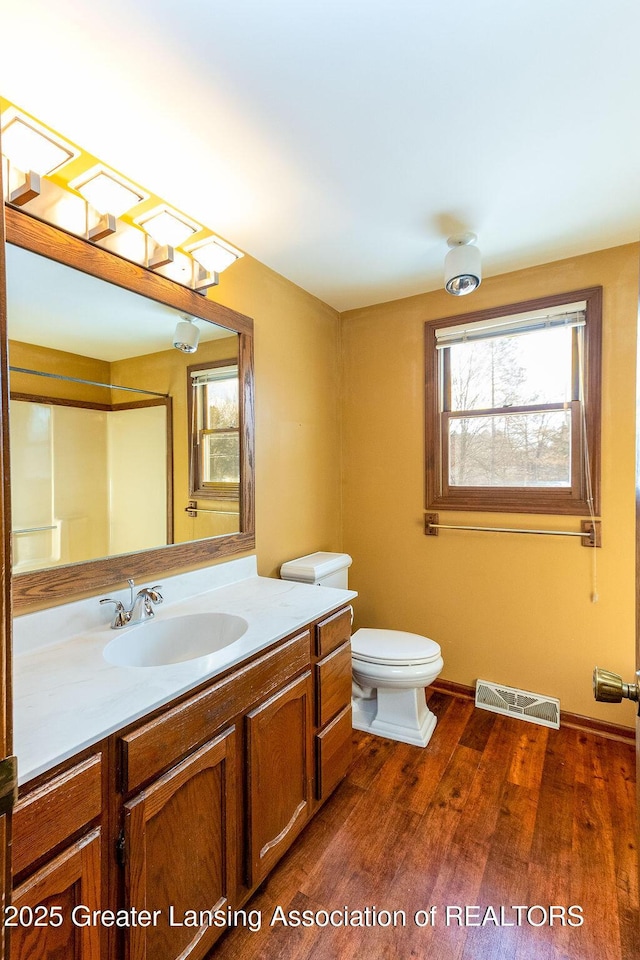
{"points": [[461, 239]]}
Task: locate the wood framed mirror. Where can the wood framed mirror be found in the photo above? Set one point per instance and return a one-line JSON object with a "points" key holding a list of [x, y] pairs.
{"points": [[49, 565]]}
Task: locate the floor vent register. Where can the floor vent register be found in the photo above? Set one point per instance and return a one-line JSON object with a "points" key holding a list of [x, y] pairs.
{"points": [[518, 703]]}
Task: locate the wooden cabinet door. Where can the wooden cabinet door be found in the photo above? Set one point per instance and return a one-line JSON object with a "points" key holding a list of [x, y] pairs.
{"points": [[180, 854], [43, 907], [279, 753]]}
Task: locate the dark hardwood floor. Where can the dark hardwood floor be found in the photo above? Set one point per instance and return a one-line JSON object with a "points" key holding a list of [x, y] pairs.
{"points": [[495, 813]]}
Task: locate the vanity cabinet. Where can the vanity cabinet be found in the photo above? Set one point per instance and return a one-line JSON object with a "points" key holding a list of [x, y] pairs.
{"points": [[185, 812], [56, 854]]}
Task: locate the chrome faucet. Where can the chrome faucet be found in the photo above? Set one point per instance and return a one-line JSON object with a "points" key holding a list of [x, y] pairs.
{"points": [[140, 609]]}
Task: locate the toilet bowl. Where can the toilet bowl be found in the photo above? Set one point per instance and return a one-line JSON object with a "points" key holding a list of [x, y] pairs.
{"points": [[391, 668]]}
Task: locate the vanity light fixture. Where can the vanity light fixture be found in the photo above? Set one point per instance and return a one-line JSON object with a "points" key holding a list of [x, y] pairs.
{"points": [[108, 192], [97, 205], [105, 227], [167, 227], [462, 265], [186, 336], [32, 150], [214, 254], [31, 147], [28, 190], [160, 257], [202, 279]]}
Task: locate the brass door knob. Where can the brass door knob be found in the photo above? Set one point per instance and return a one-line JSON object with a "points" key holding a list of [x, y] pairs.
{"points": [[609, 688]]}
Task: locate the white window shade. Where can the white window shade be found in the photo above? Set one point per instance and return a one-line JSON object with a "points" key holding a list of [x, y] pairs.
{"points": [[568, 315], [215, 374]]}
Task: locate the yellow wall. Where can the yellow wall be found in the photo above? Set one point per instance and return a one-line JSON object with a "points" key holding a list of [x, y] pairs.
{"points": [[516, 610], [297, 413], [29, 356]]}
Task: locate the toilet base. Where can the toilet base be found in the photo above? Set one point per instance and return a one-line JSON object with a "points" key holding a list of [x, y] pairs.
{"points": [[397, 713]]}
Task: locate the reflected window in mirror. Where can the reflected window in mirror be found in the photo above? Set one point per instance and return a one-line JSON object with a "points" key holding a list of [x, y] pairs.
{"points": [[214, 430]]}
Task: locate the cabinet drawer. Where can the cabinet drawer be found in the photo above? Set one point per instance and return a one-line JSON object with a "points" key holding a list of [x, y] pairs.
{"points": [[333, 631], [333, 751], [156, 745], [55, 811], [333, 683]]}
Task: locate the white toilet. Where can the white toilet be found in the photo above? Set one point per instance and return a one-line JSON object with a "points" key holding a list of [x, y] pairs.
{"points": [[390, 668]]}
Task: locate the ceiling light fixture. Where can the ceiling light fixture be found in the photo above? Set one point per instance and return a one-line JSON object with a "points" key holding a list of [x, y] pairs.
{"points": [[214, 254], [462, 265], [186, 336], [167, 227], [108, 192]]}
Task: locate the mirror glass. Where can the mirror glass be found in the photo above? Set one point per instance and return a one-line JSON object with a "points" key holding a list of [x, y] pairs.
{"points": [[114, 430]]}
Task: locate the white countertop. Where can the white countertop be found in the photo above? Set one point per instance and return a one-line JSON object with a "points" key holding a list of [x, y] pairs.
{"points": [[66, 695]]}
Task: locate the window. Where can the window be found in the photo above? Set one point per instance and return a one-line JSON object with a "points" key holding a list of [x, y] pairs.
{"points": [[513, 407], [214, 410]]}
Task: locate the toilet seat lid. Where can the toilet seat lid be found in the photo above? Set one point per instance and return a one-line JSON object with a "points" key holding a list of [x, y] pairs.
{"points": [[392, 647]]}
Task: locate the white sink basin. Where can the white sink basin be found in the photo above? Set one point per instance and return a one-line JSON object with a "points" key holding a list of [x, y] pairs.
{"points": [[158, 643]]}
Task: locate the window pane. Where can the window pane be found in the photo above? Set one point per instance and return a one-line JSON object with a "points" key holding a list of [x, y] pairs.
{"points": [[512, 371], [221, 404], [221, 458], [511, 450]]}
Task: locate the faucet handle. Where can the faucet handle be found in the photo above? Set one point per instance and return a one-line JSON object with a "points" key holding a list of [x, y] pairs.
{"points": [[119, 605], [120, 617], [154, 593]]}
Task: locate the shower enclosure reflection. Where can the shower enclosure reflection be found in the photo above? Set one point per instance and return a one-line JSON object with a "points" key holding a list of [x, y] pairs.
{"points": [[87, 482]]}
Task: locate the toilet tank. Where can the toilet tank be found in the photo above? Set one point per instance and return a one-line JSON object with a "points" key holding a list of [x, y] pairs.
{"points": [[321, 569]]}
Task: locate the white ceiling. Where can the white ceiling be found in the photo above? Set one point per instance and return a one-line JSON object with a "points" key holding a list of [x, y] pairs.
{"points": [[55, 306], [341, 142]]}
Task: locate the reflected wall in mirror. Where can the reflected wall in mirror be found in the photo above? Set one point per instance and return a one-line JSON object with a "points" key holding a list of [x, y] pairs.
{"points": [[111, 426]]}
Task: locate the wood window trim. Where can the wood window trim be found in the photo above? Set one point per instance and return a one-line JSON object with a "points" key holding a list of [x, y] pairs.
{"points": [[543, 500], [212, 491]]}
